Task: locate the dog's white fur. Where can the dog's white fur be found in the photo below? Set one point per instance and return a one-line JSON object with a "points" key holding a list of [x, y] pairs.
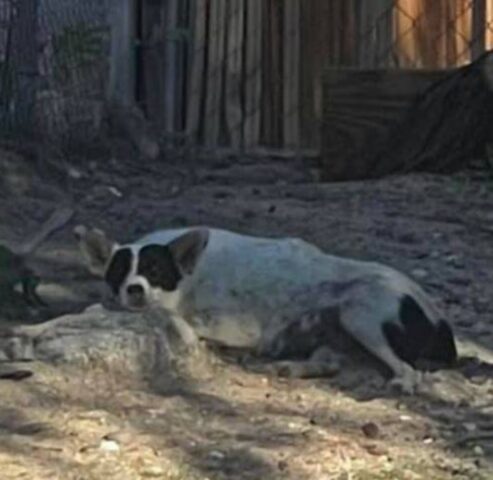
{"points": [[243, 291]]}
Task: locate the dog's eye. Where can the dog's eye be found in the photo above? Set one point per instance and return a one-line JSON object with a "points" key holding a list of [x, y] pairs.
{"points": [[152, 274]]}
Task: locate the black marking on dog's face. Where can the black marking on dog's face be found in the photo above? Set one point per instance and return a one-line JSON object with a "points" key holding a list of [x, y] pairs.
{"points": [[157, 265], [118, 269]]}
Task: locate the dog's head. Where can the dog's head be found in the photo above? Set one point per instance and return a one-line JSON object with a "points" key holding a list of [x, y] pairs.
{"points": [[138, 275]]}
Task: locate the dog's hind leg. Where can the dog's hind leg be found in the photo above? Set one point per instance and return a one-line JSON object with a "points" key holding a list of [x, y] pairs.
{"points": [[364, 322], [316, 366], [299, 347]]}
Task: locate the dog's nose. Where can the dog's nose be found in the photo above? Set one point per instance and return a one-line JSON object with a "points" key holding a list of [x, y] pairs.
{"points": [[136, 292]]}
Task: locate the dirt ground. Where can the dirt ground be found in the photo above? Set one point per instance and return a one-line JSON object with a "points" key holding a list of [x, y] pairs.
{"points": [[221, 421]]}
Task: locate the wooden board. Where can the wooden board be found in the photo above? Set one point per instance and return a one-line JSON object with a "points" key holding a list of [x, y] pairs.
{"points": [[151, 67], [291, 73], [170, 66], [234, 61], [271, 129], [215, 72], [253, 73], [359, 108], [196, 83], [122, 81]]}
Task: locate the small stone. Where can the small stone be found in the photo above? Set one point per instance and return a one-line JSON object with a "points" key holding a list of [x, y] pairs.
{"points": [[419, 273], [74, 173], [282, 465], [175, 189], [470, 427], [377, 450], [405, 418], [109, 446], [479, 451], [216, 455], [153, 471], [114, 191], [371, 430], [31, 428]]}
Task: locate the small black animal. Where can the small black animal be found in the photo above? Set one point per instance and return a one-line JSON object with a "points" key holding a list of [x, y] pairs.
{"points": [[14, 270]]}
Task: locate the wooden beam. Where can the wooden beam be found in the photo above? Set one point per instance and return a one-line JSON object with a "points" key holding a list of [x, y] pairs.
{"points": [[359, 108], [253, 73], [479, 17], [234, 72], [215, 72], [122, 83], [151, 65], [291, 73], [197, 67], [375, 20], [271, 129], [170, 65]]}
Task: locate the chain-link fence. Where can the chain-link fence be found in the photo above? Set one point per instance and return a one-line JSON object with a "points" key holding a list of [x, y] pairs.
{"points": [[238, 73], [53, 65]]}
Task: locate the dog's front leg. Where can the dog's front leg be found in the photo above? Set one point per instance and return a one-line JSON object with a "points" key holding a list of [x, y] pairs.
{"points": [[184, 331]]}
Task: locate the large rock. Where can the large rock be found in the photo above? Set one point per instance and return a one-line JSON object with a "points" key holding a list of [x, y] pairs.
{"points": [[122, 340]]}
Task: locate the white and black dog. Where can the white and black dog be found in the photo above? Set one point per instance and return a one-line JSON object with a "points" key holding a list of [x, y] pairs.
{"points": [[261, 293]]}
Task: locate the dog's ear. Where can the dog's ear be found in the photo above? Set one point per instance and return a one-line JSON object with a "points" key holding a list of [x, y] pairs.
{"points": [[96, 248], [188, 248]]}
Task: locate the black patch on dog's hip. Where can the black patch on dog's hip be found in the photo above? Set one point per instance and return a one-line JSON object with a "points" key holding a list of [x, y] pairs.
{"points": [[416, 339]]}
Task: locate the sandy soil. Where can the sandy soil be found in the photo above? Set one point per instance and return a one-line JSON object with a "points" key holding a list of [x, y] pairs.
{"points": [[220, 421]]}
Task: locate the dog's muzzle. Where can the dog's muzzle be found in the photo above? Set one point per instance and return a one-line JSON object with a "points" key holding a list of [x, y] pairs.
{"points": [[136, 296]]}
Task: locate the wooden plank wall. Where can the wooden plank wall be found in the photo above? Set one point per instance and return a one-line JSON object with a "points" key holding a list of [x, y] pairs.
{"points": [[360, 107], [489, 24], [252, 73]]}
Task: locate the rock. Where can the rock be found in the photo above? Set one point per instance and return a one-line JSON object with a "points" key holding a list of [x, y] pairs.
{"points": [[419, 273], [109, 446], [153, 471], [371, 430], [32, 428], [470, 427], [479, 451], [282, 465], [127, 340], [377, 450], [216, 455]]}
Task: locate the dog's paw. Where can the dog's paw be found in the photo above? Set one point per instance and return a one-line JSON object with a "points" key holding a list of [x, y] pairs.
{"points": [[409, 383]]}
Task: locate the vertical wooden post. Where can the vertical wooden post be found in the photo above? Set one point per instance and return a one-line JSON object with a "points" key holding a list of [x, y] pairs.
{"points": [[25, 61], [215, 72], [234, 72], [253, 74], [489, 23], [478, 28], [122, 83], [291, 77], [197, 67], [374, 33], [170, 70]]}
